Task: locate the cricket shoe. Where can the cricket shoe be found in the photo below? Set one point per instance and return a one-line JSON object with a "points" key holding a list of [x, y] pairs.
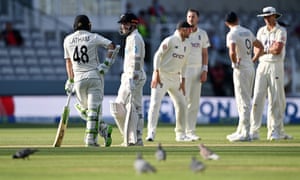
{"points": [[238, 137], [105, 131], [276, 136], [194, 137], [183, 138], [81, 111], [150, 136], [92, 145], [230, 136], [254, 136]]}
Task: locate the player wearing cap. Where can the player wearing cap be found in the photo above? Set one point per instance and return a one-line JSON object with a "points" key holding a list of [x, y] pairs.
{"points": [[240, 42], [127, 108], [83, 66], [269, 80], [196, 72], [169, 65]]}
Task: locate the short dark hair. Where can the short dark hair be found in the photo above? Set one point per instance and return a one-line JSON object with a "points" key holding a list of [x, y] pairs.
{"points": [[183, 24], [231, 17], [194, 11]]}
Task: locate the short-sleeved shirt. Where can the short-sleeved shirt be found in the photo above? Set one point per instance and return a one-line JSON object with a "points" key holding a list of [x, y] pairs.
{"points": [[243, 38], [198, 41], [172, 54], [82, 48], [277, 34]]}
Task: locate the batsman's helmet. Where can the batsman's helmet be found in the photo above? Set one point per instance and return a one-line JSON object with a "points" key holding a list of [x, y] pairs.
{"points": [[129, 18], [82, 22]]}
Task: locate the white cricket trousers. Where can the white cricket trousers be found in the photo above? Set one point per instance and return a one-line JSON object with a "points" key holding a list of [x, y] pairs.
{"points": [[171, 84], [193, 92], [269, 82], [243, 80]]}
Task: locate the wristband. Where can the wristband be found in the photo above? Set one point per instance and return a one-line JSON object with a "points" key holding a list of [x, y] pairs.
{"points": [[71, 80], [205, 68]]}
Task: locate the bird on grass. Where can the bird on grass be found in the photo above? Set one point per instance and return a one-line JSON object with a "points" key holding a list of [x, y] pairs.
{"points": [[24, 153], [207, 154], [142, 166], [196, 166], [160, 154]]}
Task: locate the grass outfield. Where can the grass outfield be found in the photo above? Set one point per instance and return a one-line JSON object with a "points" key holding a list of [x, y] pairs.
{"points": [[242, 160]]}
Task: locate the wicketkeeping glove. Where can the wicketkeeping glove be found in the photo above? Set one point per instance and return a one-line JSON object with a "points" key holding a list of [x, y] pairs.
{"points": [[69, 86]]}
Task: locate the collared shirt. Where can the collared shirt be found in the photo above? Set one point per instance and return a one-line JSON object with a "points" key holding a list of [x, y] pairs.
{"points": [[243, 38], [134, 53], [277, 34], [172, 54], [198, 41], [82, 48]]}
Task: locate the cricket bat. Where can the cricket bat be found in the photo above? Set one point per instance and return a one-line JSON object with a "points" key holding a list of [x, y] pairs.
{"points": [[62, 124]]}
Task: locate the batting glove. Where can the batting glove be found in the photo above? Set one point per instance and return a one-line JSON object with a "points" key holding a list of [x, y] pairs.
{"points": [[69, 86], [103, 68]]}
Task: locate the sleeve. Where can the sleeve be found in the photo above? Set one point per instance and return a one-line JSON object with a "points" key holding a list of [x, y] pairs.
{"points": [[205, 42], [102, 41], [66, 52], [138, 49], [162, 50], [230, 39], [282, 36]]}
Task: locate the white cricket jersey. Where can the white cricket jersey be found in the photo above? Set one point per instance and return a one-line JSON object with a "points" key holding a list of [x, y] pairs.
{"points": [[198, 41], [243, 38], [134, 53], [277, 34], [171, 56], [82, 48]]}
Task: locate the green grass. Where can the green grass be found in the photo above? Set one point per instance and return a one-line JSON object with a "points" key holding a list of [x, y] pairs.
{"points": [[242, 160]]}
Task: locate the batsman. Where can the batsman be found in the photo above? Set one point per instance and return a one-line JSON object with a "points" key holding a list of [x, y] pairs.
{"points": [[86, 77], [127, 108]]}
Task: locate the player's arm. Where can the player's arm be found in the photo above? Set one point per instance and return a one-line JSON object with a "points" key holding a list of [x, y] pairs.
{"points": [[69, 85], [203, 76], [69, 69], [276, 48], [258, 50], [162, 50]]}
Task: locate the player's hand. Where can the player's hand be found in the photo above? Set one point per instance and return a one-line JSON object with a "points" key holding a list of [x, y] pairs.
{"points": [[103, 68], [69, 86], [182, 88], [156, 80], [203, 76]]}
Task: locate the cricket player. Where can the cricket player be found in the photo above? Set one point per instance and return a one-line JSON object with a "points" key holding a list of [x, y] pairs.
{"points": [[127, 108], [196, 72], [85, 75], [240, 42], [169, 65], [269, 80]]}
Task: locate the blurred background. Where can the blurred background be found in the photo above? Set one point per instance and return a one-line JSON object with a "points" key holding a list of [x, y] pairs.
{"points": [[32, 67]]}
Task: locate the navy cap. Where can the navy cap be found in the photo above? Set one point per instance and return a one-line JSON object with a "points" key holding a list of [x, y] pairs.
{"points": [[231, 17], [183, 24], [128, 18]]}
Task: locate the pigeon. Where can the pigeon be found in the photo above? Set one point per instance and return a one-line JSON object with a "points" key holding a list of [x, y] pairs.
{"points": [[196, 166], [24, 153], [160, 153], [207, 154], [142, 166]]}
